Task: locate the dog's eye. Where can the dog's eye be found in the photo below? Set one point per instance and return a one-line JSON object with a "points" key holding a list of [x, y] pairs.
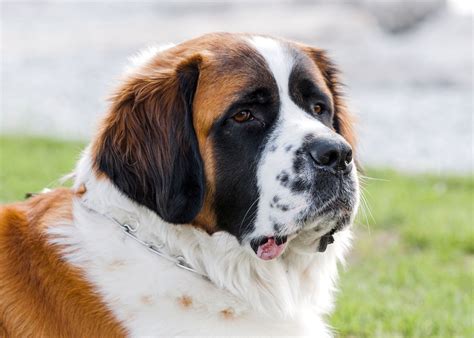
{"points": [[243, 116], [318, 109]]}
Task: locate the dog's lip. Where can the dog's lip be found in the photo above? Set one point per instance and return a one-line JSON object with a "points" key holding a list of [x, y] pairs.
{"points": [[269, 247]]}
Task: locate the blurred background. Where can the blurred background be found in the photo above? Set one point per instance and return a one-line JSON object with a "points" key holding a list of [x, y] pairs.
{"points": [[407, 64], [408, 70]]}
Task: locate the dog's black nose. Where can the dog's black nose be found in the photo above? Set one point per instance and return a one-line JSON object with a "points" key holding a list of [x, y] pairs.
{"points": [[331, 152]]}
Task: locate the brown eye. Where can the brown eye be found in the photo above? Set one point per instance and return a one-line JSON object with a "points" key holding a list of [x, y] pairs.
{"points": [[318, 109], [243, 116]]}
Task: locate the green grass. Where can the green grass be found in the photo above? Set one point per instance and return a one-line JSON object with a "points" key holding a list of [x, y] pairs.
{"points": [[410, 273], [31, 164]]}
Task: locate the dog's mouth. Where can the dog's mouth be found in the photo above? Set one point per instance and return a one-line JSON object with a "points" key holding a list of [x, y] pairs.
{"points": [[269, 247]]}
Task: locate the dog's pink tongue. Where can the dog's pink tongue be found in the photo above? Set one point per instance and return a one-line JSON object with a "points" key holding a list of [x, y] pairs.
{"points": [[270, 249]]}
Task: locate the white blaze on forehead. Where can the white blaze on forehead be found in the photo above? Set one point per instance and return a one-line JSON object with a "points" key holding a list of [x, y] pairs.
{"points": [[292, 125], [280, 61], [278, 58]]}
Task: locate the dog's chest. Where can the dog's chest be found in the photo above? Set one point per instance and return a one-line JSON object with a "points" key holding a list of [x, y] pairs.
{"points": [[170, 304], [151, 296]]}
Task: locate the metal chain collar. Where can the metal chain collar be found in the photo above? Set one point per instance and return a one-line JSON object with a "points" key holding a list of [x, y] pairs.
{"points": [[130, 231]]}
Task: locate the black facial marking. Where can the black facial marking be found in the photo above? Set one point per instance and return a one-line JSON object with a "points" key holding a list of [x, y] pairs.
{"points": [[283, 177], [237, 147], [298, 163], [283, 207], [300, 185], [299, 160], [277, 227], [306, 93], [288, 148]]}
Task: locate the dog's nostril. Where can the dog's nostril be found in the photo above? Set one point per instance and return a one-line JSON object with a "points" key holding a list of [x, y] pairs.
{"points": [[328, 158], [348, 157]]}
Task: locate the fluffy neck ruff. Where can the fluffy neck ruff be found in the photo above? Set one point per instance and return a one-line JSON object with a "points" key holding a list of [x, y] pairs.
{"points": [[279, 288]]}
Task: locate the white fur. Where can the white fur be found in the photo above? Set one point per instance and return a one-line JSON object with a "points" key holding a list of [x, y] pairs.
{"points": [[286, 296], [280, 297]]}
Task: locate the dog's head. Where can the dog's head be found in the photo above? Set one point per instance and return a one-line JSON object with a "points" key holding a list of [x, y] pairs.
{"points": [[239, 133]]}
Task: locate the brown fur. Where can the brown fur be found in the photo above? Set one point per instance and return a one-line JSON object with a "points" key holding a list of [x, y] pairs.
{"points": [[141, 116], [185, 301], [40, 294], [228, 314]]}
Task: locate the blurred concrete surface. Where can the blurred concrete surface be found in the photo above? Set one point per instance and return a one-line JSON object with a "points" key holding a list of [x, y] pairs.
{"points": [[408, 68]]}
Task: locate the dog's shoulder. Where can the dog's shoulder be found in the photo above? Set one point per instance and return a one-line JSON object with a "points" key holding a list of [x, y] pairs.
{"points": [[40, 293]]}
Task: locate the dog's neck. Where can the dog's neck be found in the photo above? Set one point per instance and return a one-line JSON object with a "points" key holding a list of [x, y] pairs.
{"points": [[278, 288]]}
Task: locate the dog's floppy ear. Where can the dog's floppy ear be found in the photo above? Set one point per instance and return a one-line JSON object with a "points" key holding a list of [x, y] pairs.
{"points": [[147, 145]]}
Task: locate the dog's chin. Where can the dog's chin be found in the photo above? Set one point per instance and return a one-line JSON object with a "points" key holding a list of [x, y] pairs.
{"points": [[320, 225], [310, 239], [309, 242], [315, 227]]}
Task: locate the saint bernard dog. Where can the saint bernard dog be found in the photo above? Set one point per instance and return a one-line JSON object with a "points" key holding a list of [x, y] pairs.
{"points": [[215, 199]]}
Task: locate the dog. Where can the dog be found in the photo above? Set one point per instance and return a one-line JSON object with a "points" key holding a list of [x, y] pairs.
{"points": [[216, 198]]}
